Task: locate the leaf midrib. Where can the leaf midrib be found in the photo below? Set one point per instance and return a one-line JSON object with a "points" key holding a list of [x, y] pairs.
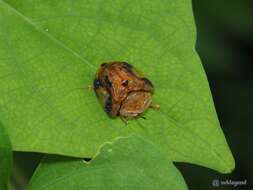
{"points": [[61, 44], [49, 36]]}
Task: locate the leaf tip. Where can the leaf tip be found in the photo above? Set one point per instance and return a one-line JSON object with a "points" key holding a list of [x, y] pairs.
{"points": [[228, 165]]}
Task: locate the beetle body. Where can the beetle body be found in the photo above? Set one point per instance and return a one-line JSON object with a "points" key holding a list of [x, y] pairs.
{"points": [[122, 90]]}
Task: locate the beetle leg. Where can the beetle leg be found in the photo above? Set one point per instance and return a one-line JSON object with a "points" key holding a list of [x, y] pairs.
{"points": [[124, 119], [142, 117], [154, 106]]}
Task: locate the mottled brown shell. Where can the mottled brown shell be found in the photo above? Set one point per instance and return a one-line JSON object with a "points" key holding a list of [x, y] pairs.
{"points": [[122, 90]]}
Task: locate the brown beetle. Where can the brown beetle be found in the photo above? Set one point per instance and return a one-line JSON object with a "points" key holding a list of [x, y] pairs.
{"points": [[122, 90]]}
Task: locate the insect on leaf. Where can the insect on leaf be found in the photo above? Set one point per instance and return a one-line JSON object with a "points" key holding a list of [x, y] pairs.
{"points": [[50, 51]]}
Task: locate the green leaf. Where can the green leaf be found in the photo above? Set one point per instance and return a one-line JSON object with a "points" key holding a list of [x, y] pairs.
{"points": [[128, 163], [5, 158], [49, 53]]}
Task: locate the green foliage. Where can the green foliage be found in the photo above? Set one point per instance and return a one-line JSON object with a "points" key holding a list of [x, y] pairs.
{"points": [[49, 53], [49, 56], [5, 158], [128, 163]]}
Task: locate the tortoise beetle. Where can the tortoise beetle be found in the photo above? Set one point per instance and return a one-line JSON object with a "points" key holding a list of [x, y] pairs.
{"points": [[122, 90]]}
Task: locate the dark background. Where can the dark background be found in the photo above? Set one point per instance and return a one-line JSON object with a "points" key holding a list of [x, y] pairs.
{"points": [[225, 46]]}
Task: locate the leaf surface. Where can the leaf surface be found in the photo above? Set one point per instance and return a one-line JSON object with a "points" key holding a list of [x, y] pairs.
{"points": [[50, 51], [127, 163], [5, 158]]}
